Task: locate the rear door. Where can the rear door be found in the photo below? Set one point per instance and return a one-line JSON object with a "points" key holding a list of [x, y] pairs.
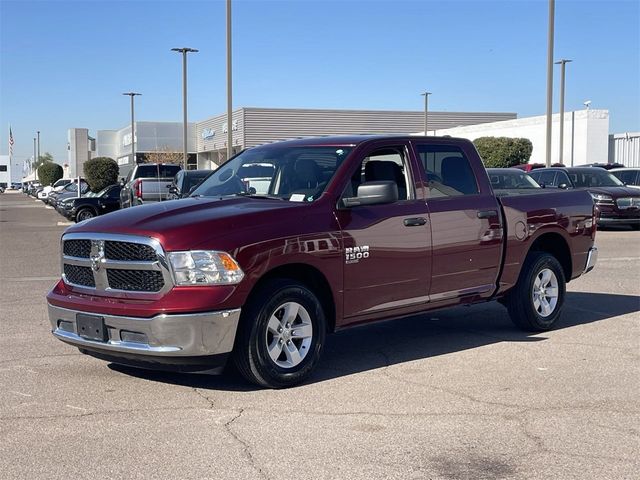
{"points": [[387, 247], [466, 227]]}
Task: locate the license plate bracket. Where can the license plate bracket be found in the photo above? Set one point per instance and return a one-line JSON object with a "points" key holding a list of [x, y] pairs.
{"points": [[91, 327]]}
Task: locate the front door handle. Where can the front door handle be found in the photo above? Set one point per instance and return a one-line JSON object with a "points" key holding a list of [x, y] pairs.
{"points": [[487, 213], [415, 221]]}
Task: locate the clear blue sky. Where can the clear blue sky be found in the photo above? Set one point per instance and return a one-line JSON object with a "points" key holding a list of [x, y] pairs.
{"points": [[64, 64]]}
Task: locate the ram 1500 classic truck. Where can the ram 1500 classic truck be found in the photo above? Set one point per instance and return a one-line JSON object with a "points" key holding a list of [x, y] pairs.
{"points": [[147, 183], [350, 230]]}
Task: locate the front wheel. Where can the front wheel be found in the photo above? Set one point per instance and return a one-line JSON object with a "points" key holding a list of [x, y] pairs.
{"points": [[281, 335], [84, 214], [535, 303]]}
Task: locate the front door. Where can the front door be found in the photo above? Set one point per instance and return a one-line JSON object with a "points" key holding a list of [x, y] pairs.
{"points": [[387, 247], [465, 222]]}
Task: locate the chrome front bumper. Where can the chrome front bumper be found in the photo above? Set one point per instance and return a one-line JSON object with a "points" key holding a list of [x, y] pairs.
{"points": [[162, 336], [592, 258]]}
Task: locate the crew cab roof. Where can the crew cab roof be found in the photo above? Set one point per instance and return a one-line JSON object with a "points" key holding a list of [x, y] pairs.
{"points": [[353, 140]]}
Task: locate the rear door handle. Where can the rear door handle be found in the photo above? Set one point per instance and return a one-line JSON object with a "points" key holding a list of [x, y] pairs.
{"points": [[487, 213], [415, 221]]}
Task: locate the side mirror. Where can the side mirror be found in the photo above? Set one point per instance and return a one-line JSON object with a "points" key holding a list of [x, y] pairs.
{"points": [[122, 182], [373, 193], [563, 186], [173, 189]]}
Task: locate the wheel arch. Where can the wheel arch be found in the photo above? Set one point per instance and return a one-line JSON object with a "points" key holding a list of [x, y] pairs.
{"points": [[310, 277], [87, 207], [555, 244]]}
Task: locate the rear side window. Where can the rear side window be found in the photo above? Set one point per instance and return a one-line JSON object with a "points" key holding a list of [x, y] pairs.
{"points": [[448, 171], [160, 171], [544, 177], [627, 176]]}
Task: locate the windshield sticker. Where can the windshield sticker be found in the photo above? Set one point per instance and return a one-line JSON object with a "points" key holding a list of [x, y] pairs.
{"points": [[297, 197]]}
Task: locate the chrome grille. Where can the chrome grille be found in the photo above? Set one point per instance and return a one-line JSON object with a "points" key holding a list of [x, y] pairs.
{"points": [[115, 265], [79, 275], [77, 248], [128, 251], [135, 280]]}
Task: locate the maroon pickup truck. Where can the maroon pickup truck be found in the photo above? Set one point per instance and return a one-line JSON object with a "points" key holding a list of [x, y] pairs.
{"points": [[347, 230]]}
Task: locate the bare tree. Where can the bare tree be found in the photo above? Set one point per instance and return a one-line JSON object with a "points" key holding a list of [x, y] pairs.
{"points": [[164, 155]]}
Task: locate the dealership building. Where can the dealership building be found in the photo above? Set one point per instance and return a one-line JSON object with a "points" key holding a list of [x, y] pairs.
{"points": [[256, 126]]}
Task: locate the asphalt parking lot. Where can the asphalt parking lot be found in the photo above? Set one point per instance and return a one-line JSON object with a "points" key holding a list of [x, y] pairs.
{"points": [[457, 394]]}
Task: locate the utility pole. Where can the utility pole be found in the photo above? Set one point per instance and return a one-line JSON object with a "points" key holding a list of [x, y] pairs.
{"points": [[184, 51], [562, 64], [35, 160], [38, 132], [133, 131], [229, 86], [549, 80], [426, 111]]}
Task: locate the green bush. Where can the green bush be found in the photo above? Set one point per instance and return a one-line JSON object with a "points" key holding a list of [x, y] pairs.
{"points": [[49, 173], [100, 172], [503, 152]]}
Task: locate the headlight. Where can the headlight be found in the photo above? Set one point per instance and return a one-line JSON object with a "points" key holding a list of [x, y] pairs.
{"points": [[601, 198], [204, 267]]}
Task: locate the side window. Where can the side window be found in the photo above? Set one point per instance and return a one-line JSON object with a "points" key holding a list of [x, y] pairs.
{"points": [[448, 171], [388, 163], [544, 177], [561, 178], [114, 193]]}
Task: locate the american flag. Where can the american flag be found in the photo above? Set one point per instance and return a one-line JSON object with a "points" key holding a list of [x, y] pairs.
{"points": [[10, 143]]}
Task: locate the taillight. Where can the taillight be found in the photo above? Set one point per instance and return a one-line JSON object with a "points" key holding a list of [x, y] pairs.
{"points": [[137, 187]]}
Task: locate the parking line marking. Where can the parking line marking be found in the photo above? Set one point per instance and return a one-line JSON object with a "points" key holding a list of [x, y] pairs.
{"points": [[62, 224], [32, 279], [76, 408], [21, 394]]}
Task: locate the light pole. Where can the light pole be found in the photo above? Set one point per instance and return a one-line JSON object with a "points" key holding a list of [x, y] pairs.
{"points": [[184, 51], [35, 160], [133, 132], [549, 80], [38, 132], [229, 95], [562, 64], [426, 110]]}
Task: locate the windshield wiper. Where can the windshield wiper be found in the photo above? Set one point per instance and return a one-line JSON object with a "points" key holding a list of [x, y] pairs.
{"points": [[258, 195]]}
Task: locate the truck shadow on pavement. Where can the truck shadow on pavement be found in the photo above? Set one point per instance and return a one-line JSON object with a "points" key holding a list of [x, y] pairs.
{"points": [[379, 345]]}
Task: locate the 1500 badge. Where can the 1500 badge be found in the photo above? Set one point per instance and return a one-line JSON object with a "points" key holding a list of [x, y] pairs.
{"points": [[355, 254]]}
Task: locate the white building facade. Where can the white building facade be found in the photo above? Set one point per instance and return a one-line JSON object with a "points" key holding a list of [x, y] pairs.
{"points": [[586, 135], [5, 171]]}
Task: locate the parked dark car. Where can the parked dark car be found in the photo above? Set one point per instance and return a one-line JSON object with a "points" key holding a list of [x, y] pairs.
{"points": [[511, 181], [528, 167], [616, 204], [184, 182], [606, 166], [105, 201], [67, 191]]}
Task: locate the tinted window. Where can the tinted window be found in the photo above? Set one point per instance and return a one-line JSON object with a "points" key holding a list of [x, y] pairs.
{"points": [[160, 171], [594, 177], [544, 177], [114, 192], [562, 177], [627, 176], [448, 171], [191, 180], [507, 180]]}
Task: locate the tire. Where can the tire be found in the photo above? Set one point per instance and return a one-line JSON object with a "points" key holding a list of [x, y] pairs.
{"points": [[635, 226], [84, 214], [531, 308], [264, 348]]}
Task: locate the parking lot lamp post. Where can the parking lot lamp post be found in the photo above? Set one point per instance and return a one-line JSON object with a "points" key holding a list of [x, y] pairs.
{"points": [[35, 160], [38, 157], [426, 111], [229, 92], [184, 52], [549, 80], [133, 132], [562, 64]]}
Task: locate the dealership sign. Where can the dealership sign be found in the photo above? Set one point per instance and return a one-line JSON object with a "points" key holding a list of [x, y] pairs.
{"points": [[208, 133]]}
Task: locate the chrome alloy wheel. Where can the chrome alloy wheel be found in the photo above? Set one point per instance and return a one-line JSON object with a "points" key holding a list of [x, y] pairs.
{"points": [[85, 215], [545, 292], [289, 334]]}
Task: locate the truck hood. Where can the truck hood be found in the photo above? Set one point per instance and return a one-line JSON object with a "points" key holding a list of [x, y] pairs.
{"points": [[185, 224]]}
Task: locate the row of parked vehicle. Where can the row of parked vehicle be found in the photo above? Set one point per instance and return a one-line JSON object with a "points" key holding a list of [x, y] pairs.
{"points": [[615, 192]]}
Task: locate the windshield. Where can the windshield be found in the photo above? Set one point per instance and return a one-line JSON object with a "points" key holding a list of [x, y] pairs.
{"points": [[193, 179], [160, 171], [501, 180], [296, 174], [596, 178]]}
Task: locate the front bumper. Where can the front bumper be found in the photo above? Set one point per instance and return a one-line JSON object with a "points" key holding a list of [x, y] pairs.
{"points": [[163, 340], [603, 221]]}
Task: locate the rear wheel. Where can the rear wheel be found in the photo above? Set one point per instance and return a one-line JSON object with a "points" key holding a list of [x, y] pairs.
{"points": [[84, 214], [535, 303], [281, 335]]}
